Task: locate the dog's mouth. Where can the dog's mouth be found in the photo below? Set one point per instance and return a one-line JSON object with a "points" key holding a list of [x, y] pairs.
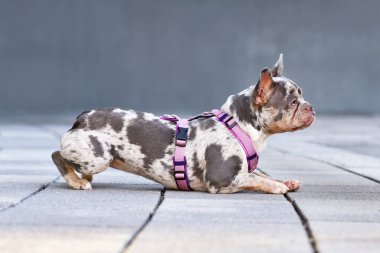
{"points": [[309, 121], [307, 117], [305, 123]]}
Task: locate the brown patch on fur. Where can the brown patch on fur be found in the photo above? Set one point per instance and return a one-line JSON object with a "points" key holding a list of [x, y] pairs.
{"points": [[153, 136], [103, 117], [100, 118], [115, 153], [220, 172], [120, 165], [197, 169], [80, 122], [278, 99], [241, 106], [87, 177], [193, 131], [278, 116], [97, 146]]}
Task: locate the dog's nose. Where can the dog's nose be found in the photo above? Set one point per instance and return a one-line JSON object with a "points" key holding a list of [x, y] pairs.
{"points": [[309, 107]]}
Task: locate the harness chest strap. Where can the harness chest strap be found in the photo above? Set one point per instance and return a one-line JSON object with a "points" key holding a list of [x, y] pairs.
{"points": [[242, 137], [179, 158]]}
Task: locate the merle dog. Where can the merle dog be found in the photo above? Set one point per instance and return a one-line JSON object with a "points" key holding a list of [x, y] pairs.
{"points": [[143, 144]]}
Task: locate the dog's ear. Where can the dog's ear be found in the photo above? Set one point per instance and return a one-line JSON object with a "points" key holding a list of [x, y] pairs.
{"points": [[278, 68], [263, 88]]}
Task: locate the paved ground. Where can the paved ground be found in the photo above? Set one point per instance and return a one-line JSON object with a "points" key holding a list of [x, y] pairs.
{"points": [[336, 210]]}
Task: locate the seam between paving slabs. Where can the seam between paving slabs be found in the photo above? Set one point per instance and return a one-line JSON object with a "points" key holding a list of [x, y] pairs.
{"points": [[303, 218], [145, 223], [43, 187], [331, 164], [304, 221], [40, 189], [133, 238]]}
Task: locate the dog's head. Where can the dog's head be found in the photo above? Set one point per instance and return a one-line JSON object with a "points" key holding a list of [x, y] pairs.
{"points": [[279, 102]]}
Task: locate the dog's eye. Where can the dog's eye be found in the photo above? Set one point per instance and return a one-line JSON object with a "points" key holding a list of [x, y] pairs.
{"points": [[294, 102]]}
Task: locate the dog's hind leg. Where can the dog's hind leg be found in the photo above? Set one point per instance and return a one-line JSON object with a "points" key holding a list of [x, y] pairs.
{"points": [[66, 169], [87, 177]]}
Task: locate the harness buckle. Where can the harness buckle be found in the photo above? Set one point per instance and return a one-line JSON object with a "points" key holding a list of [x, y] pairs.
{"points": [[232, 125]]}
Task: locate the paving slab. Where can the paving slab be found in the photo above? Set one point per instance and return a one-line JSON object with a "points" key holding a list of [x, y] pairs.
{"points": [[24, 161], [244, 222], [338, 205], [39, 213], [101, 220], [338, 236]]}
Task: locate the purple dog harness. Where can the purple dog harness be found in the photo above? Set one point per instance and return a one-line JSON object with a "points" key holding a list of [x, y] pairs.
{"points": [[179, 158]]}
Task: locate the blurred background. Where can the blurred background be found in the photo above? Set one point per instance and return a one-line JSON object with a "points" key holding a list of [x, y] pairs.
{"points": [[186, 56]]}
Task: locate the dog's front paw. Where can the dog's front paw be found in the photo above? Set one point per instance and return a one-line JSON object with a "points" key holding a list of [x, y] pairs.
{"points": [[279, 188], [81, 184], [292, 184]]}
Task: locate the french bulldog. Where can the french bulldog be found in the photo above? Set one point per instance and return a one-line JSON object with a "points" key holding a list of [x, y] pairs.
{"points": [[143, 144]]}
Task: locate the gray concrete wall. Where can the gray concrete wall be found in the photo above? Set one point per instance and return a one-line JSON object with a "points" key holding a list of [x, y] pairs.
{"points": [[176, 56]]}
